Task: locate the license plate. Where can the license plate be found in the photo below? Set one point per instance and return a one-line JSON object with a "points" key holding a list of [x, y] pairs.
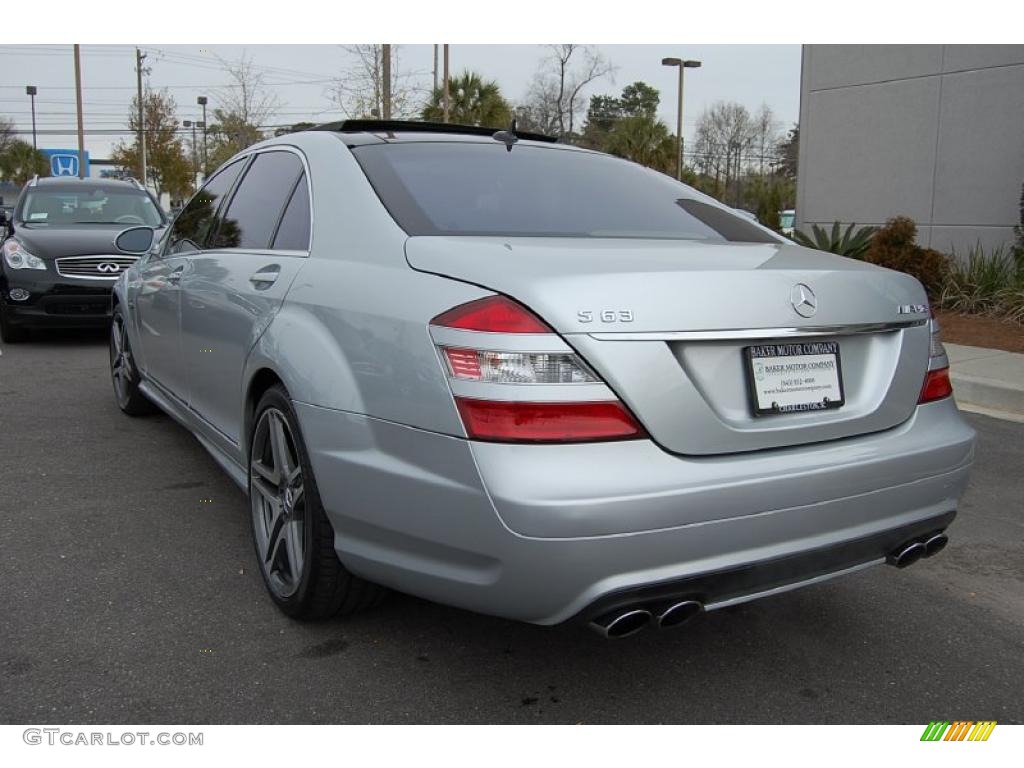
{"points": [[792, 378]]}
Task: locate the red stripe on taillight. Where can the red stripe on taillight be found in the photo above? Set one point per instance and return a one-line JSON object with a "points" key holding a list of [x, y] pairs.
{"points": [[936, 386], [494, 314], [464, 363], [514, 422]]}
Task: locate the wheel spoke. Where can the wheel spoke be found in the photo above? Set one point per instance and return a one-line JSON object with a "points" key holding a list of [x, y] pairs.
{"points": [[267, 490], [297, 495], [264, 472], [275, 535], [293, 543], [279, 446]]}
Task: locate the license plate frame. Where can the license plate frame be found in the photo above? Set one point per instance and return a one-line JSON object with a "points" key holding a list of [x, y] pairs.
{"points": [[814, 353]]}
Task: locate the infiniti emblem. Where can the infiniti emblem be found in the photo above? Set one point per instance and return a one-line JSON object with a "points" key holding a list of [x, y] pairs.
{"points": [[108, 266], [803, 300]]}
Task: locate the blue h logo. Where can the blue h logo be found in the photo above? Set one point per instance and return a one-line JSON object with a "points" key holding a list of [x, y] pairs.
{"points": [[63, 165]]}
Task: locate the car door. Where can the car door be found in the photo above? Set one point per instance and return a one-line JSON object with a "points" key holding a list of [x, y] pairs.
{"points": [[235, 286], [158, 302]]}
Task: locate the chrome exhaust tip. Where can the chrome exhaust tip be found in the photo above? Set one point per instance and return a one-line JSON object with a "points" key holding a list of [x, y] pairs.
{"points": [[677, 614], [620, 624], [935, 544], [907, 554]]}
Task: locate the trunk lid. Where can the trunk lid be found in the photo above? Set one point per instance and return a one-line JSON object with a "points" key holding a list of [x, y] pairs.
{"points": [[665, 323]]}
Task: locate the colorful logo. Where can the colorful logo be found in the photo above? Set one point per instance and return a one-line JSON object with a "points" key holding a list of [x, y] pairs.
{"points": [[960, 730]]}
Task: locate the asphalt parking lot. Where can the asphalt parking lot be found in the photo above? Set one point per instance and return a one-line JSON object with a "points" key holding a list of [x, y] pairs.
{"points": [[129, 594]]}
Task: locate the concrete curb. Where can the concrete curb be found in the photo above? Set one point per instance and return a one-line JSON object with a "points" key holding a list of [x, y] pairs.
{"points": [[987, 378]]}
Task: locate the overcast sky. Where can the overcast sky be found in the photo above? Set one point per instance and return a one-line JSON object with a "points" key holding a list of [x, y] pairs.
{"points": [[301, 75]]}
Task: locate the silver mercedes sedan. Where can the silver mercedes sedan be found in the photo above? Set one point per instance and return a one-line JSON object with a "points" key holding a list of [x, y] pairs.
{"points": [[534, 381]]}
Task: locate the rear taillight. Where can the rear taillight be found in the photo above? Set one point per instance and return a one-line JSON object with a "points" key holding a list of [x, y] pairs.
{"points": [[522, 422], [495, 314], [936, 381], [515, 380], [936, 386]]}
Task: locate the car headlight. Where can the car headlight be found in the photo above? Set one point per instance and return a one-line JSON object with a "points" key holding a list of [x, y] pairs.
{"points": [[18, 258]]}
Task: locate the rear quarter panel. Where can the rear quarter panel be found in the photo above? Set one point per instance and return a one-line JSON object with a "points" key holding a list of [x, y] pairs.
{"points": [[352, 333]]}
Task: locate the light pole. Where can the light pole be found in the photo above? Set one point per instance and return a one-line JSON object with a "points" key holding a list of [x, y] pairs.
{"points": [[386, 77], [445, 95], [683, 64], [201, 101], [195, 160], [31, 91]]}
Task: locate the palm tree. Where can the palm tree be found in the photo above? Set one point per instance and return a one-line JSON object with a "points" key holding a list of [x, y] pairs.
{"points": [[643, 139], [20, 162], [471, 101]]}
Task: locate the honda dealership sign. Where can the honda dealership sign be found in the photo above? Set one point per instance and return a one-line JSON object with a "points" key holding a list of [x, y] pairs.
{"points": [[64, 162]]}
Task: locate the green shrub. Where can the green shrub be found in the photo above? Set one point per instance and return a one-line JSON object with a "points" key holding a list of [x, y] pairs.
{"points": [[844, 243], [986, 284], [894, 246]]}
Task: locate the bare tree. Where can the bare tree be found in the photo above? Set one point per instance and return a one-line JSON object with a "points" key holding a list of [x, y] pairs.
{"points": [[725, 133], [766, 136], [359, 91], [247, 96], [555, 98]]}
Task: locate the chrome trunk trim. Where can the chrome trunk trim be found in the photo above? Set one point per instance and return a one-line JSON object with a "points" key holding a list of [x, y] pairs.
{"points": [[762, 333]]}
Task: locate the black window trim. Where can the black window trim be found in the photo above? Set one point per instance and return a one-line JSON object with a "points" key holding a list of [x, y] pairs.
{"points": [[249, 159]]}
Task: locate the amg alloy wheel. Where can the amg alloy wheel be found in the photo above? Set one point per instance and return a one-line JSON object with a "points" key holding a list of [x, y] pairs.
{"points": [[123, 373], [293, 537], [278, 504]]}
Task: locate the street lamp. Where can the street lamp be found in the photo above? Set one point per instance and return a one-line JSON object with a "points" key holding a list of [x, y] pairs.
{"points": [[683, 64], [195, 160], [201, 101], [31, 91]]}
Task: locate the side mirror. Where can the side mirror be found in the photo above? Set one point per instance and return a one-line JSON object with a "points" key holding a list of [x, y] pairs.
{"points": [[136, 241]]}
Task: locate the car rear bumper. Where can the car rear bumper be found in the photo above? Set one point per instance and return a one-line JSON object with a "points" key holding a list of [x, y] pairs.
{"points": [[546, 533]]}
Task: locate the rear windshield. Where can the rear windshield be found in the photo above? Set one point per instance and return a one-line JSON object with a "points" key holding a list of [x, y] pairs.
{"points": [[436, 188], [89, 205]]}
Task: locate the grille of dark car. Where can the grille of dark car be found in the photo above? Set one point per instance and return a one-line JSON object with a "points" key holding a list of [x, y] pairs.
{"points": [[94, 267]]}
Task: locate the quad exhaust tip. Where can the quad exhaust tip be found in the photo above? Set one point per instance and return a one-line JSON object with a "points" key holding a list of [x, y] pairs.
{"points": [[624, 623], [677, 614], [935, 544], [907, 555]]}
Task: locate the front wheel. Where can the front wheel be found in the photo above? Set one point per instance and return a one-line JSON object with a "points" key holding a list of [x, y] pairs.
{"points": [[123, 372], [293, 537]]}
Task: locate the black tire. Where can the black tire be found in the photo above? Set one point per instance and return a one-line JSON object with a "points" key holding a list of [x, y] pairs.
{"points": [[124, 374], [321, 587], [9, 333]]}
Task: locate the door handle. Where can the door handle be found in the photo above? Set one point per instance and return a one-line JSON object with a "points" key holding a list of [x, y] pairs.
{"points": [[175, 277], [266, 277]]}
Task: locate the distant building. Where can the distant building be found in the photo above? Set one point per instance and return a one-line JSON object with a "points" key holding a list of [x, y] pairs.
{"points": [[933, 132]]}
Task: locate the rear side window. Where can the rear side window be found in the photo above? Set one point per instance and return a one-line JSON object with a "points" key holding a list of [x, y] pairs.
{"points": [[437, 188], [256, 207], [293, 234], [193, 224]]}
